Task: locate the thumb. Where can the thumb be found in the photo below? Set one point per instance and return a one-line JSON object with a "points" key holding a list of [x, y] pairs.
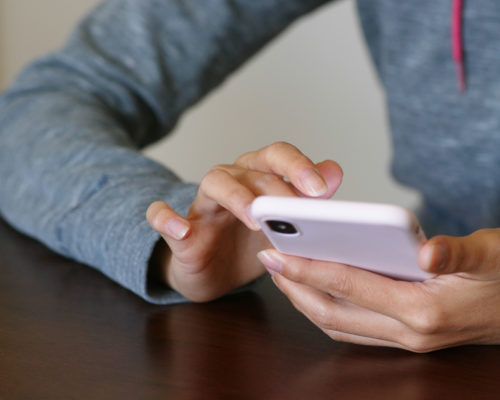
{"points": [[477, 253]]}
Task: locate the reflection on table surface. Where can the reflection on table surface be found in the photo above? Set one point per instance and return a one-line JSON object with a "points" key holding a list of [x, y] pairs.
{"points": [[66, 331]]}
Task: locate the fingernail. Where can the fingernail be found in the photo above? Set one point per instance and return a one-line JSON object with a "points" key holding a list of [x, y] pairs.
{"points": [[177, 228], [434, 255], [313, 183], [441, 255], [271, 261]]}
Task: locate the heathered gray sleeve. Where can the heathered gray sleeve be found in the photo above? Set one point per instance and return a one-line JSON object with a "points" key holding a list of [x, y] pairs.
{"points": [[72, 124]]}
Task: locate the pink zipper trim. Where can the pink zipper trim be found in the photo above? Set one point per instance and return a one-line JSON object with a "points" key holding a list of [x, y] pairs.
{"points": [[457, 42]]}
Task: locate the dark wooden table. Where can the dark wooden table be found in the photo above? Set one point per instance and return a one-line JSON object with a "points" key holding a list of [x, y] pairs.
{"points": [[67, 332]]}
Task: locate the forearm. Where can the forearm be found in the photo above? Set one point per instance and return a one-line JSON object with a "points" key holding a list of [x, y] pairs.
{"points": [[72, 124]]}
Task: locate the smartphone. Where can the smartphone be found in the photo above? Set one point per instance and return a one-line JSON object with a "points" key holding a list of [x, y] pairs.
{"points": [[382, 238]]}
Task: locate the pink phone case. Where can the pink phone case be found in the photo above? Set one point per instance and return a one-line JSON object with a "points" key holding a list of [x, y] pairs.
{"points": [[382, 238]]}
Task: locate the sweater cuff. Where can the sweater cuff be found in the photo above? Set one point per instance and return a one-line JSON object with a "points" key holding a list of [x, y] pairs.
{"points": [[111, 233], [132, 271]]}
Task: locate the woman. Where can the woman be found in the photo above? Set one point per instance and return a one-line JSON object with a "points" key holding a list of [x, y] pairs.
{"points": [[72, 124]]}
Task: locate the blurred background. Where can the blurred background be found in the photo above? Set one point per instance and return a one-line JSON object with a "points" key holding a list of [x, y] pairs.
{"points": [[314, 87]]}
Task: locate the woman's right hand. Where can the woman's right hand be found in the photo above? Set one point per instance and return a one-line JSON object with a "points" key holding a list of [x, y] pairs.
{"points": [[213, 250]]}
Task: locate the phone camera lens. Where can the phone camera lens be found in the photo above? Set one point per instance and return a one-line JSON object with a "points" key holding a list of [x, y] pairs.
{"points": [[282, 227]]}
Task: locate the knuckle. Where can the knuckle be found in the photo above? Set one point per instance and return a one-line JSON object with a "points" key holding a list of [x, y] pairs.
{"points": [[277, 150], [488, 234], [267, 181], [159, 220], [215, 174], [221, 169], [323, 318], [487, 252], [467, 257], [242, 159], [208, 178], [296, 272], [477, 249], [341, 284], [235, 199], [428, 320], [280, 146]]}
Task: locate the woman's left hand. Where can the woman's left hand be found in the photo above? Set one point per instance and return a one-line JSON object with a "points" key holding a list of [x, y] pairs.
{"points": [[461, 305]]}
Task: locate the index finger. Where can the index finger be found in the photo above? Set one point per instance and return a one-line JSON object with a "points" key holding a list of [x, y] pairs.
{"points": [[400, 300], [286, 160]]}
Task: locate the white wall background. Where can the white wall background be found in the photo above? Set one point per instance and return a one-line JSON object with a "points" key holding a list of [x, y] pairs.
{"points": [[313, 87]]}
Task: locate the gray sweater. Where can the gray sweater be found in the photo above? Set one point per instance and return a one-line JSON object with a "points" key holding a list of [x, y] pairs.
{"points": [[72, 124]]}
